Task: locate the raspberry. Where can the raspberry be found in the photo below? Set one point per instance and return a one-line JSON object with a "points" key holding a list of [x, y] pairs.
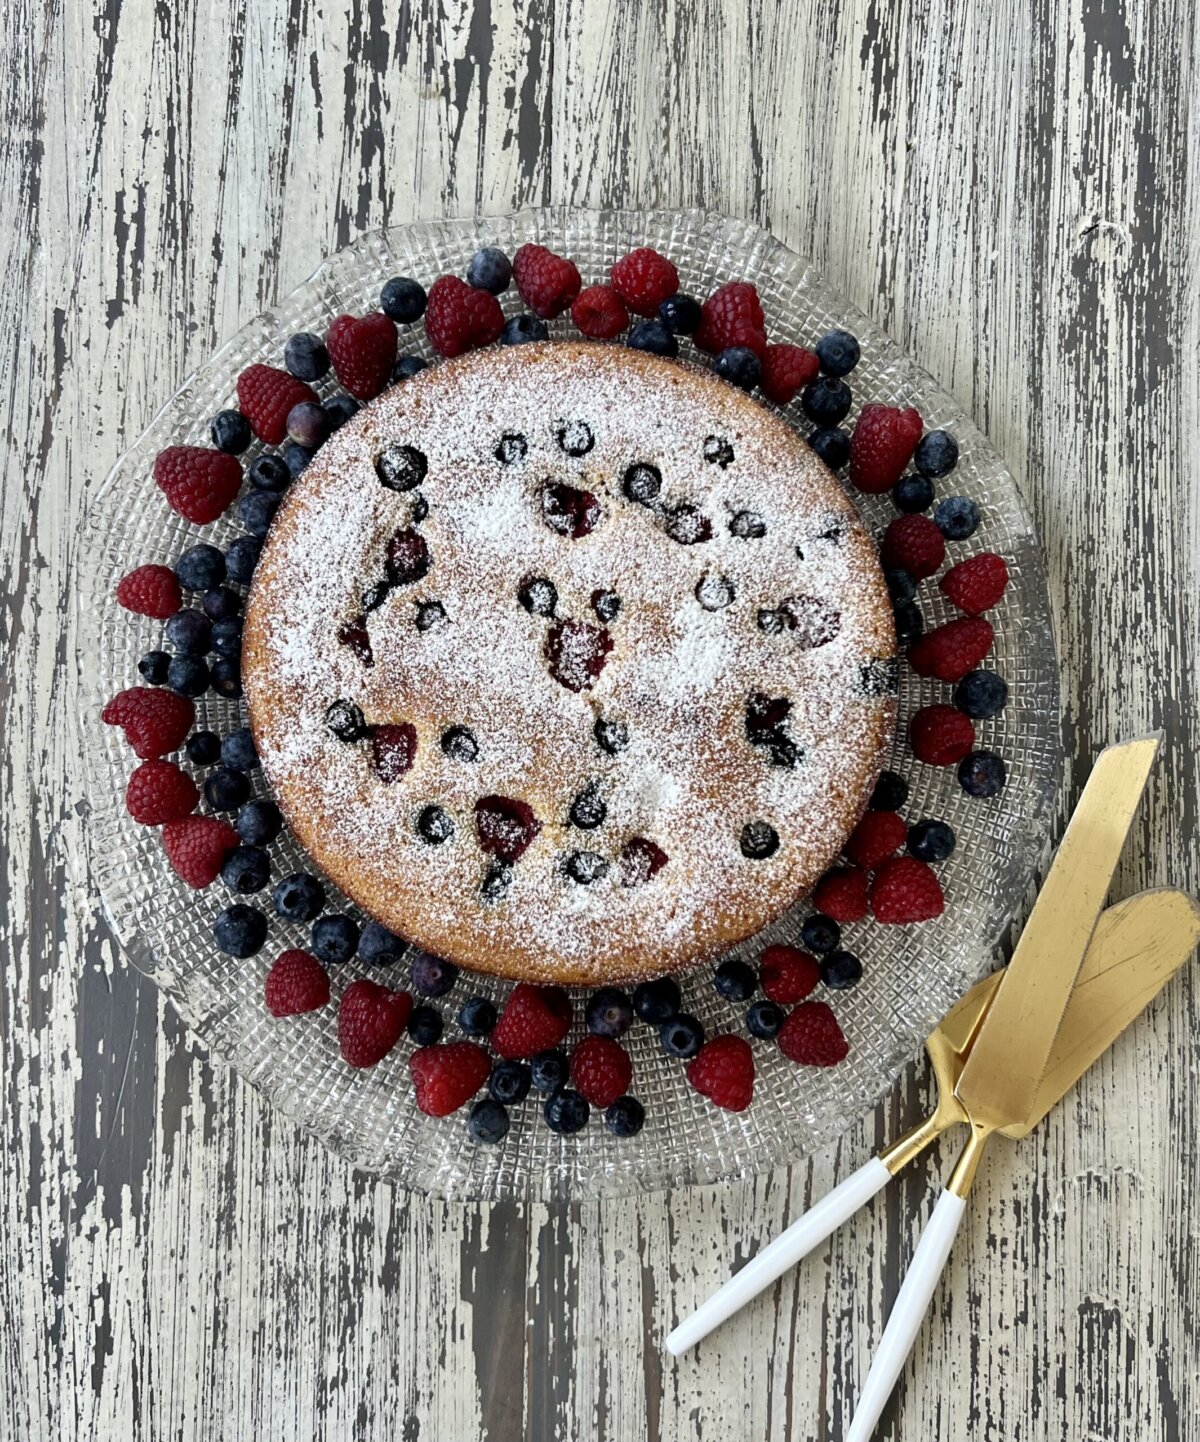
{"points": [[723, 1071], [265, 395], [535, 1018], [198, 483], [788, 974], [644, 279], [197, 847], [548, 283], [913, 544], [940, 735], [598, 312], [371, 1020], [976, 585], [158, 791], [842, 894], [296, 983], [363, 351], [876, 837], [883, 442], [811, 1036], [446, 1076], [154, 721], [906, 890], [787, 369], [601, 1070], [150, 591], [732, 316], [952, 650], [460, 318]]}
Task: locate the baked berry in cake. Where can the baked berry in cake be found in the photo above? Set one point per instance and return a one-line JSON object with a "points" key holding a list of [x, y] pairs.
{"points": [[562, 742]]}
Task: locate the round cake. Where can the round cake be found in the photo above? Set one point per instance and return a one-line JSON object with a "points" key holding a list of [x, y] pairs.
{"points": [[568, 662]]}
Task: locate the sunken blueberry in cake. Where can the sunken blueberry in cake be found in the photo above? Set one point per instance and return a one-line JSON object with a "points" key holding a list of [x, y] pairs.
{"points": [[569, 662]]}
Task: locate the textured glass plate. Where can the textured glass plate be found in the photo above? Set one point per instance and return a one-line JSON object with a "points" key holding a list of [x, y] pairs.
{"points": [[912, 974]]}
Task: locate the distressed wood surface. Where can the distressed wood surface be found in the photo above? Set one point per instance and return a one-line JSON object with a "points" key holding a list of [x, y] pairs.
{"points": [[1011, 189]]}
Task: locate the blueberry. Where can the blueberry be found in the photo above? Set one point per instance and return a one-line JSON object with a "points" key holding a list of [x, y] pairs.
{"points": [[432, 976], [820, 933], [246, 869], [334, 939], [680, 314], [240, 930], [911, 494], [901, 586], [459, 743], [239, 751], [770, 622], [657, 1001], [299, 897], [838, 352], [549, 1071], [225, 677], [203, 748], [890, 794], [345, 720], [408, 366], [419, 509], [682, 1036], [259, 822], [308, 424], [841, 970], [403, 299], [609, 1012], [715, 592], [832, 445], [759, 840], [431, 615], [982, 773], [747, 526], [401, 468], [764, 1019], [607, 605], [575, 438], [189, 632], [538, 595], [490, 269], [625, 1117], [200, 568], [477, 1017], [931, 840], [227, 636], [341, 408], [374, 596], [653, 336], [981, 694], [588, 810], [566, 1111], [585, 867], [377, 946], [226, 789], [826, 400], [909, 623], [153, 668], [434, 825], [306, 357], [270, 473], [936, 454], [739, 365], [496, 881], [510, 1081], [957, 517], [642, 483], [511, 448], [231, 432], [718, 452], [425, 1025], [188, 675], [488, 1122], [611, 736], [735, 981], [522, 328], [241, 559], [220, 603], [296, 457]]}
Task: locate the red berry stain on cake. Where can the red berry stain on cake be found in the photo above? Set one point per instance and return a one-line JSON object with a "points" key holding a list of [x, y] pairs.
{"points": [[393, 750], [641, 859], [570, 511], [407, 557], [354, 635], [812, 621], [576, 652], [505, 826]]}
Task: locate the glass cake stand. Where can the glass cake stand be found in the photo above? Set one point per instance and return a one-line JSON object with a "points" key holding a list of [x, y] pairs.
{"points": [[911, 974]]}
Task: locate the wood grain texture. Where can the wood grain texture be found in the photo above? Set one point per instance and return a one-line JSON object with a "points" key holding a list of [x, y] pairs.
{"points": [[1013, 189]]}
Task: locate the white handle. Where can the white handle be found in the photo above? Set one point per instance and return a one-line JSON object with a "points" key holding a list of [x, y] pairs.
{"points": [[928, 1263], [785, 1251]]}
